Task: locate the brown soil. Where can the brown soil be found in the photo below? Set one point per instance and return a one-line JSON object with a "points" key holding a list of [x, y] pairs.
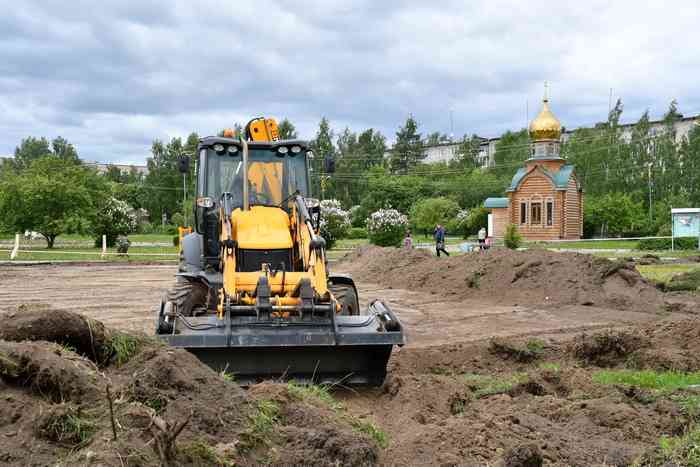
{"points": [[532, 277], [54, 406], [552, 412], [433, 408]]}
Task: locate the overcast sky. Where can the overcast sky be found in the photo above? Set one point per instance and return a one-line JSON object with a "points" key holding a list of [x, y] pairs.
{"points": [[112, 76]]}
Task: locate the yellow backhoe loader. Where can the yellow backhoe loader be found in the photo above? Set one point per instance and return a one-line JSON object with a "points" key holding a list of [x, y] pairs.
{"points": [[253, 295]]}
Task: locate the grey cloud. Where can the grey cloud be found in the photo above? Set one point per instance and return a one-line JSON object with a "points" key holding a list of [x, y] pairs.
{"points": [[112, 77]]}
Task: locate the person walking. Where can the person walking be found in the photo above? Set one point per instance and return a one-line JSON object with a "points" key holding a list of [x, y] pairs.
{"points": [[439, 235], [408, 241], [482, 239]]}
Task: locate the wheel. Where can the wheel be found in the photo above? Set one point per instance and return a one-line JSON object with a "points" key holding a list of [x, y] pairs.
{"points": [[347, 297], [188, 297]]}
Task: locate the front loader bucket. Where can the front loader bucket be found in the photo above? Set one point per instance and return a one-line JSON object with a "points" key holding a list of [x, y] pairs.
{"points": [[344, 350]]}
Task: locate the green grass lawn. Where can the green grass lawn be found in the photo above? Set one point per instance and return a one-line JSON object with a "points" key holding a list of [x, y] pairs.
{"points": [[592, 244], [664, 272]]}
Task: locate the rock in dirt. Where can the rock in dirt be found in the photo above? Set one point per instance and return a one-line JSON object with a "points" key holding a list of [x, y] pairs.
{"points": [[531, 277]]}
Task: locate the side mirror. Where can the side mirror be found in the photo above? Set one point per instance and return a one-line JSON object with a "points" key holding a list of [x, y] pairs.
{"points": [[183, 164], [329, 165]]}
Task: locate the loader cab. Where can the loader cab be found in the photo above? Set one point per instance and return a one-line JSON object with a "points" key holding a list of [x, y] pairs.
{"points": [[276, 170]]}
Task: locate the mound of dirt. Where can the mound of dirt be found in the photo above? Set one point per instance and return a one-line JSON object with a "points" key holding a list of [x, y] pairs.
{"points": [[465, 404], [168, 408], [532, 277]]}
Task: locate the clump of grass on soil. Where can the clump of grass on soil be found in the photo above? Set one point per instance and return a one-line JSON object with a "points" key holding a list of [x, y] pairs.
{"points": [[484, 385], [370, 429], [667, 381], [200, 453], [322, 394], [261, 423], [124, 347], [68, 426], [677, 450], [532, 350]]}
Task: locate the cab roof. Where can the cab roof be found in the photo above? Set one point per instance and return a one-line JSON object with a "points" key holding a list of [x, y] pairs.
{"points": [[212, 140]]}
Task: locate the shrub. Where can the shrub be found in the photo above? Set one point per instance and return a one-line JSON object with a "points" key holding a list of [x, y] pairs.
{"points": [[113, 219], [358, 216], [178, 219], [356, 233], [335, 222], [512, 237], [680, 243], [458, 224], [386, 227], [428, 212], [476, 219]]}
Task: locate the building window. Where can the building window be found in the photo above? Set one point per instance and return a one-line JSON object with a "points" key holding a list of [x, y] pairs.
{"points": [[536, 213], [550, 212], [523, 213]]}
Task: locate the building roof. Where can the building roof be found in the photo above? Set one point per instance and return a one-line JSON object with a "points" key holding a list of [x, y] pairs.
{"points": [[545, 126], [560, 178], [685, 210], [496, 203]]}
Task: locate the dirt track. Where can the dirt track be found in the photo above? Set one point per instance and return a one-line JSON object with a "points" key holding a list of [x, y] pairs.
{"points": [[126, 296]]}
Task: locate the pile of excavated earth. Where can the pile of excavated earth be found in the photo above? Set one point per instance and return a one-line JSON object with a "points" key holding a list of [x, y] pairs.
{"points": [[532, 277], [74, 392]]}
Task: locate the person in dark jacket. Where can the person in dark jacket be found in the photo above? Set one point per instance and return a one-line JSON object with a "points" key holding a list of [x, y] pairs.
{"points": [[439, 235]]}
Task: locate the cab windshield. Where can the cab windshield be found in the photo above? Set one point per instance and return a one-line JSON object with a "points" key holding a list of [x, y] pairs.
{"points": [[271, 177]]}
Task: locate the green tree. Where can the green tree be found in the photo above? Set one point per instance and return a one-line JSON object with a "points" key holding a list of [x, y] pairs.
{"points": [[31, 149], [467, 156], [287, 130], [612, 214], [371, 146], [511, 151], [48, 196], [62, 149], [690, 154], [436, 138], [427, 213], [163, 184], [408, 149], [322, 147]]}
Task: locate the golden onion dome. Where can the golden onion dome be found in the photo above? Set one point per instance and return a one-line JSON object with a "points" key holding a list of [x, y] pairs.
{"points": [[545, 125]]}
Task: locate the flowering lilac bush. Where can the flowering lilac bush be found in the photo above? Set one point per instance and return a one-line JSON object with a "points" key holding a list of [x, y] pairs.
{"points": [[386, 227], [459, 223], [113, 219], [335, 222]]}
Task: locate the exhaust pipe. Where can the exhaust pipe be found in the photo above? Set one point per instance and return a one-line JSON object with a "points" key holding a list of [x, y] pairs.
{"points": [[246, 201]]}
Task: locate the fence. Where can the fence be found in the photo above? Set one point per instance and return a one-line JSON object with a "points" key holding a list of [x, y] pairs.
{"points": [[16, 250]]}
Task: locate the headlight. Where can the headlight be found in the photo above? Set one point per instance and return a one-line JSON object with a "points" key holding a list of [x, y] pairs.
{"points": [[283, 149], [219, 148], [296, 149], [205, 202], [233, 149]]}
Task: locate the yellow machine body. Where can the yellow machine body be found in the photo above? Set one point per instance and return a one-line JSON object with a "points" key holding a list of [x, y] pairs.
{"points": [[263, 129]]}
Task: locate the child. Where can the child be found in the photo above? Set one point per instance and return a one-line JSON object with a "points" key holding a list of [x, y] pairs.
{"points": [[408, 241]]}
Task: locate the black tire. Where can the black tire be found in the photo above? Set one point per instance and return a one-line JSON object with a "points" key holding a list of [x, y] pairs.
{"points": [[347, 297], [187, 296]]}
